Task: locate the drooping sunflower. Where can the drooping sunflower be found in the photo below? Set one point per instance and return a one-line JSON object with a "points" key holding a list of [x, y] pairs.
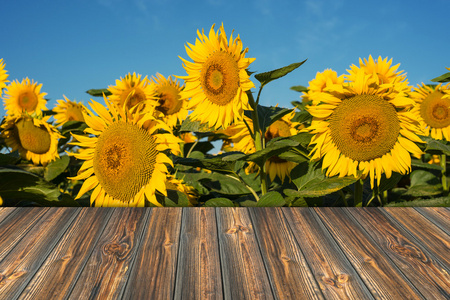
{"points": [[124, 160], [365, 125], [242, 141], [3, 75], [34, 138], [67, 110], [23, 97], [170, 104], [217, 79], [132, 90], [433, 110]]}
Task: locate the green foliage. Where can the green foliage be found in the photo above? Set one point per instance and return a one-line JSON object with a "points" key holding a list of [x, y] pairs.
{"points": [[268, 115], [266, 77], [271, 199], [443, 78], [99, 92], [299, 88], [219, 202]]}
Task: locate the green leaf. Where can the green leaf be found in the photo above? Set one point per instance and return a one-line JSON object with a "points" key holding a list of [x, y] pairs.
{"points": [[423, 184], [275, 147], [99, 92], [389, 183], [271, 199], [55, 168], [299, 88], [437, 147], [219, 202], [311, 182], [176, 199], [443, 78], [8, 159], [194, 126], [206, 183], [75, 127], [221, 163], [419, 164], [266, 77], [267, 115], [17, 185]]}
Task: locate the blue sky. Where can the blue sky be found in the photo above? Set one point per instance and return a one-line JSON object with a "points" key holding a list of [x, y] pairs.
{"points": [[72, 46]]}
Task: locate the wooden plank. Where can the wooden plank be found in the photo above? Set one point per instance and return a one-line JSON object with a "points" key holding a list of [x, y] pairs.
{"points": [[58, 274], [426, 233], [198, 272], [153, 273], [5, 212], [334, 273], [244, 276], [423, 270], [438, 215], [380, 275], [286, 266], [108, 268], [16, 226], [20, 265]]}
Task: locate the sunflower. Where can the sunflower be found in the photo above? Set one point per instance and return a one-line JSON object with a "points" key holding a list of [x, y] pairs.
{"points": [[67, 110], [24, 96], [178, 185], [242, 141], [365, 125], [433, 110], [217, 80], [322, 80], [132, 90], [124, 159], [170, 104], [34, 138], [3, 75]]}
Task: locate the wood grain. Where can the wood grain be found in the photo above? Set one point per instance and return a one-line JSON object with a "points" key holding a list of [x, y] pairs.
{"points": [[423, 270], [426, 233], [244, 276], [21, 264], [381, 276], [198, 273], [108, 268], [6, 212], [153, 274], [288, 271], [57, 276], [332, 270], [17, 225], [440, 217]]}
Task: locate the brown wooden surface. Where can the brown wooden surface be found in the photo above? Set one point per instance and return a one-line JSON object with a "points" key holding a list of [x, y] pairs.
{"points": [[229, 253]]}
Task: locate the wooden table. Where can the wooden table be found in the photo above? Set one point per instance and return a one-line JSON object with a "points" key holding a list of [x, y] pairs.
{"points": [[231, 253]]}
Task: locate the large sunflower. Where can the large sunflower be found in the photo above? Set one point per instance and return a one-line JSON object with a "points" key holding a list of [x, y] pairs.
{"points": [[24, 96], [133, 90], [242, 141], [3, 75], [217, 79], [67, 110], [365, 124], [433, 110], [170, 104], [34, 138], [124, 160]]}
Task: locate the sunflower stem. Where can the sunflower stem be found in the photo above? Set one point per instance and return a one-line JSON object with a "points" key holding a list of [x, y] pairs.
{"points": [[444, 172], [259, 142], [358, 192]]}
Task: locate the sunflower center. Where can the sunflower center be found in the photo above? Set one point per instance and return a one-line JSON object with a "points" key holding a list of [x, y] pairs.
{"points": [[364, 127], [32, 138], [278, 128], [28, 101], [220, 78], [124, 160], [169, 100], [435, 111]]}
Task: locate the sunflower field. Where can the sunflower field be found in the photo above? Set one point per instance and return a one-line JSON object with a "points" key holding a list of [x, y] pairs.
{"points": [[364, 138]]}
